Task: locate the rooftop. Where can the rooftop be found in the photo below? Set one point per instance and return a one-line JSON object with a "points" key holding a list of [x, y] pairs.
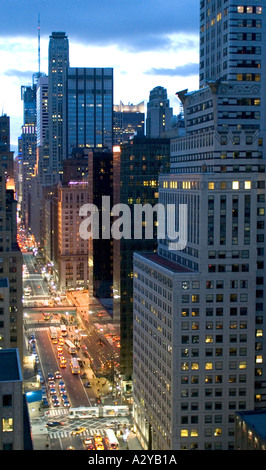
{"points": [[166, 263], [255, 420], [10, 365]]}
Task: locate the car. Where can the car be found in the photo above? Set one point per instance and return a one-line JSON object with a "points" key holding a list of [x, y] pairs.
{"points": [[87, 385], [63, 359], [54, 423], [52, 384], [66, 404], [99, 446], [50, 376], [98, 439], [56, 403], [62, 390], [53, 391], [78, 430], [54, 397], [65, 398], [89, 444], [62, 365], [57, 375], [61, 383]]}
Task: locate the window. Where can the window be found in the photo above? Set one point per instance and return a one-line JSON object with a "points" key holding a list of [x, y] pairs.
{"points": [[235, 185], [7, 424], [7, 400]]}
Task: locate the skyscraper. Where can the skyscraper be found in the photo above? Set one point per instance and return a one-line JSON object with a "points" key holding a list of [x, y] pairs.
{"points": [[6, 156], [128, 122], [159, 113], [58, 61], [88, 109], [141, 161], [27, 146], [201, 320]]}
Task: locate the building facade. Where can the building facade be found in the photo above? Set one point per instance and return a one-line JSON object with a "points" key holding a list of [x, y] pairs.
{"points": [[58, 62], [129, 121], [159, 113], [210, 364], [140, 163], [11, 398], [88, 109]]}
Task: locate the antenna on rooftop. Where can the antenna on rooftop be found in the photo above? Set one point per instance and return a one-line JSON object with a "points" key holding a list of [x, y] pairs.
{"points": [[39, 46]]}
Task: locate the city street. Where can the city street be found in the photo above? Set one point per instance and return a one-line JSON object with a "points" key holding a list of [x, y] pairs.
{"points": [[85, 389]]}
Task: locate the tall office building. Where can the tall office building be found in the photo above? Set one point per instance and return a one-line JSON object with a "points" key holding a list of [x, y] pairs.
{"points": [[27, 146], [100, 250], [140, 163], [88, 109], [11, 322], [58, 61], [41, 176], [6, 155], [198, 326], [159, 113], [128, 122]]}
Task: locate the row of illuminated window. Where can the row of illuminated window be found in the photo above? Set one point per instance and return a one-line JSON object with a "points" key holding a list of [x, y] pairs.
{"points": [[243, 284], [185, 312], [218, 325], [195, 298], [232, 365], [234, 185], [194, 339], [249, 9], [210, 353]]}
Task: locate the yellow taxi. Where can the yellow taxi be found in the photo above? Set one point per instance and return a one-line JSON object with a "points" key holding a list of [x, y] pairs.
{"points": [[62, 362], [78, 430], [61, 341], [98, 439]]}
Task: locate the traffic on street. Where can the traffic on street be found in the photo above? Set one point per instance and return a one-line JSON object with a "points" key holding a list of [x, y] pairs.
{"points": [[72, 367]]}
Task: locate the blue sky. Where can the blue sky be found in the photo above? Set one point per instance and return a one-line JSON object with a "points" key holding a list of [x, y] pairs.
{"points": [[147, 42]]}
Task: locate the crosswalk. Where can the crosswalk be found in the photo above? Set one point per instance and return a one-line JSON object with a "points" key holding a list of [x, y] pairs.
{"points": [[88, 432], [56, 412]]}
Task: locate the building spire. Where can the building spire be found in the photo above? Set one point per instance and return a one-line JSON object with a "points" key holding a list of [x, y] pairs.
{"points": [[39, 46]]}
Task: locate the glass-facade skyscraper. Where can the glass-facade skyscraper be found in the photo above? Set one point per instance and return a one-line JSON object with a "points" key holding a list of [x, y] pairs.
{"points": [[58, 61], [88, 109]]}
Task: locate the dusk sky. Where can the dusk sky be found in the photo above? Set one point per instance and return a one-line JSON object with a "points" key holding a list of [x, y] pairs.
{"points": [[147, 42]]}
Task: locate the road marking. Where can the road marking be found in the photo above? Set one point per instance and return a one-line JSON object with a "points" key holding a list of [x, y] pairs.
{"points": [[88, 432]]}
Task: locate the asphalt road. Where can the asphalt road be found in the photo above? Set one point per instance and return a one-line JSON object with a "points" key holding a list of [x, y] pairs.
{"points": [[49, 363]]}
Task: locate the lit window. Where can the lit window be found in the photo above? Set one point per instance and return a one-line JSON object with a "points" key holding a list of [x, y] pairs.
{"points": [[247, 184], [259, 333], [259, 359], [242, 365], [194, 433], [210, 185], [208, 366], [195, 366], [209, 339], [7, 424], [235, 185], [240, 9], [217, 432], [184, 433]]}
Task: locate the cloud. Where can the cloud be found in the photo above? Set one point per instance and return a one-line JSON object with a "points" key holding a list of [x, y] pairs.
{"points": [[136, 25], [19, 74], [185, 70]]}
